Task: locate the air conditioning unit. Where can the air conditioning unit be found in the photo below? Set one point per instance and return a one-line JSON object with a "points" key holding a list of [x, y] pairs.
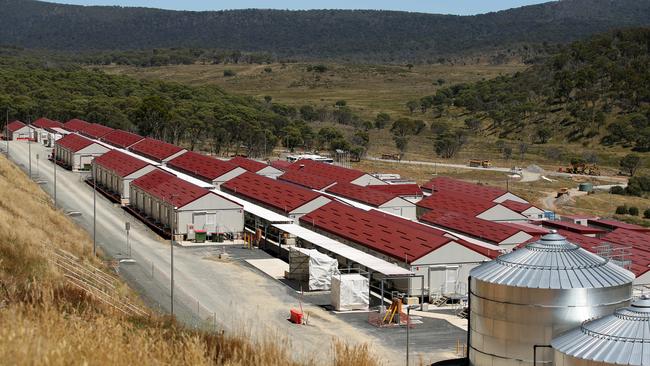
{"points": [[190, 232]]}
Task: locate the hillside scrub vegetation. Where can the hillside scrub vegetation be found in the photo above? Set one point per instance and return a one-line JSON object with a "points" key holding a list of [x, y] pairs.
{"points": [[597, 89], [48, 320]]}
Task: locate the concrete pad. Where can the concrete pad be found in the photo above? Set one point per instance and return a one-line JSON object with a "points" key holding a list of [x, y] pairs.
{"points": [[273, 267], [451, 319]]}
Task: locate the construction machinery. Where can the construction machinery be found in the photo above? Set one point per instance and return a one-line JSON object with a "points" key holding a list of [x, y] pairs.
{"points": [[475, 163], [581, 168]]}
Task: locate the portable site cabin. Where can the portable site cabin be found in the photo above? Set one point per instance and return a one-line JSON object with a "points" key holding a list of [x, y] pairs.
{"points": [[256, 167], [17, 130], [441, 260], [115, 170], [76, 152], [158, 196], [384, 201], [469, 206], [156, 150], [75, 125], [95, 131], [43, 130], [205, 168]]}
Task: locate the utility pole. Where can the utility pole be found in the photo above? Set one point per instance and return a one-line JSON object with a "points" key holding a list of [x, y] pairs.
{"points": [[54, 158], [7, 131], [92, 171], [29, 146], [171, 246], [408, 326], [127, 227]]}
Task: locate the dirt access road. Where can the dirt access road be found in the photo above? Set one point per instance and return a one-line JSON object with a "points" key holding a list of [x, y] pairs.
{"points": [[241, 298]]}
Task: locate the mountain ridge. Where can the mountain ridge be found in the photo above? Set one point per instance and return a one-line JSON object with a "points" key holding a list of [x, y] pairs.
{"points": [[343, 34]]}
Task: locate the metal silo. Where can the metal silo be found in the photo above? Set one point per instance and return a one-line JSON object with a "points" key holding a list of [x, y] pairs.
{"points": [[622, 338], [527, 297]]}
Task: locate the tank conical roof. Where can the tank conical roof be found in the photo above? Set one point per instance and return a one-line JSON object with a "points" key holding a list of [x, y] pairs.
{"points": [[552, 262], [622, 338]]}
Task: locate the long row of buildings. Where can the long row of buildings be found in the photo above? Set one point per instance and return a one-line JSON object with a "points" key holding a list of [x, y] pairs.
{"points": [[420, 239]]}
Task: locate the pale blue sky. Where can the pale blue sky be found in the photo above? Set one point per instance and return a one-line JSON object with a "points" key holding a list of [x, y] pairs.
{"points": [[460, 7]]}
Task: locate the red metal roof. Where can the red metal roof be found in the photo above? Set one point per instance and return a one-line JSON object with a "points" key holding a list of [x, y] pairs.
{"points": [[378, 233], [155, 149], [428, 230], [95, 130], [398, 189], [281, 164], [201, 166], [75, 125], [73, 142], [633, 238], [440, 184], [248, 164], [46, 123], [528, 228], [307, 180], [361, 194], [279, 195], [613, 224], [447, 201], [15, 126], [481, 229], [516, 206], [334, 172], [121, 139], [570, 226], [170, 188], [122, 164]]}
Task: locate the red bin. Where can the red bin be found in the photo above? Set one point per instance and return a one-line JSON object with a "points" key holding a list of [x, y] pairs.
{"points": [[296, 316]]}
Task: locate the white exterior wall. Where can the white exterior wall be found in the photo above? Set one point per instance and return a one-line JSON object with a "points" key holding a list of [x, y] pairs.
{"points": [[501, 213], [93, 150], [228, 176], [368, 180], [125, 183], [644, 279], [25, 132], [535, 213], [401, 207], [308, 207], [509, 196], [515, 240], [270, 172], [450, 266]]}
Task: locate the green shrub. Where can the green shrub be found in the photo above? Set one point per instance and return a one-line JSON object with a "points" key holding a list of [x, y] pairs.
{"points": [[621, 210], [646, 213], [617, 190], [229, 73], [268, 69], [634, 211]]}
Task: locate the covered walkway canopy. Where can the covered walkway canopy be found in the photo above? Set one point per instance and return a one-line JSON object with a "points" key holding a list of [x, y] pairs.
{"points": [[369, 261]]}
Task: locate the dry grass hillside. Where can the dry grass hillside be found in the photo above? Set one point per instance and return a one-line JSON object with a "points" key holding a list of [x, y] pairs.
{"points": [[49, 318]]}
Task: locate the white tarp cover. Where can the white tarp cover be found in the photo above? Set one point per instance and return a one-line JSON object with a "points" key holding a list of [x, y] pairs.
{"points": [[321, 269], [350, 292]]}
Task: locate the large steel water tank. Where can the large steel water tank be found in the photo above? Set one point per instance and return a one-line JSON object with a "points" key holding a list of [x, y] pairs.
{"points": [[619, 339], [529, 296]]}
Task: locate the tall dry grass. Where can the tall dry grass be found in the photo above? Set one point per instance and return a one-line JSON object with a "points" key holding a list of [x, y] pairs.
{"points": [[46, 320]]}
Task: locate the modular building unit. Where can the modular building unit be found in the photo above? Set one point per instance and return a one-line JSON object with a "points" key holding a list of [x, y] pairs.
{"points": [[408, 244], [43, 130], [76, 152], [205, 168], [256, 167], [17, 130], [115, 170], [387, 202], [336, 173], [278, 196], [157, 150], [162, 198]]}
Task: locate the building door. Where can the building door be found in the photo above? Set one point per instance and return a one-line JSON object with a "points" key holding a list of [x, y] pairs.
{"points": [[199, 220], [451, 274]]}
